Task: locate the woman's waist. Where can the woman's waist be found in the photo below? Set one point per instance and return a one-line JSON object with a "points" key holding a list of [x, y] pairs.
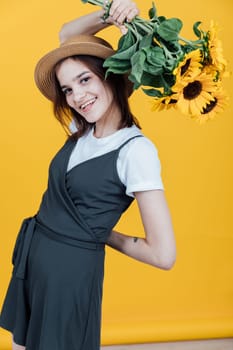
{"points": [[69, 239], [24, 239]]}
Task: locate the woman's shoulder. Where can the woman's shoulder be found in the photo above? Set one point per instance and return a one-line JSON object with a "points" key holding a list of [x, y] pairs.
{"points": [[139, 143]]}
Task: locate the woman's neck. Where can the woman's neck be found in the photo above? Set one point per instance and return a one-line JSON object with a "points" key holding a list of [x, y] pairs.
{"points": [[108, 124]]}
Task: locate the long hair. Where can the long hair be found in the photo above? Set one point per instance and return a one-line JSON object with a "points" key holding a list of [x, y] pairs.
{"points": [[117, 84]]}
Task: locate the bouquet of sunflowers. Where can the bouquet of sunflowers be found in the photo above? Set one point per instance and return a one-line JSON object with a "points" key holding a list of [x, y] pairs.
{"points": [[176, 72]]}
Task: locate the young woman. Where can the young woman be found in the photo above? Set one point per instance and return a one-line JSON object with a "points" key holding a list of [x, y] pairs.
{"points": [[54, 297]]}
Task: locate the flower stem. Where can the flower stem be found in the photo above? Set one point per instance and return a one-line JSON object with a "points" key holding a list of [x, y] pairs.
{"points": [[94, 2], [189, 42], [146, 29]]}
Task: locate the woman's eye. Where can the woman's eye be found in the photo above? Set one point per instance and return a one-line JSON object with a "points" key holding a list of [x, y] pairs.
{"points": [[84, 80], [67, 91]]}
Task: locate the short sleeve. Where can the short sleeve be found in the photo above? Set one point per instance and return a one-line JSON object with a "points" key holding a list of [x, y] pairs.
{"points": [[139, 166]]}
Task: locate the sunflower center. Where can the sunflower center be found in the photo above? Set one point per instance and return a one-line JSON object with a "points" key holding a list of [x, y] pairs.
{"points": [[170, 102], [192, 90], [185, 66], [210, 106]]}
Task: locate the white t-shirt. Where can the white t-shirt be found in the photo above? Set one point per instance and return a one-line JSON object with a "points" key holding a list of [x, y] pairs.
{"points": [[138, 164]]}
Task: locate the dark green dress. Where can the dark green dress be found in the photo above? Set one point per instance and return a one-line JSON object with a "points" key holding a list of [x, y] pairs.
{"points": [[54, 298]]}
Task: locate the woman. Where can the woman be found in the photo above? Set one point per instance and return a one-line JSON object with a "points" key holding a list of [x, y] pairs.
{"points": [[54, 297]]}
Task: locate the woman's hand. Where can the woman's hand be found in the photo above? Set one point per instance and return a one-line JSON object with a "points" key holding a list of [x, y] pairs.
{"points": [[92, 23], [122, 11]]}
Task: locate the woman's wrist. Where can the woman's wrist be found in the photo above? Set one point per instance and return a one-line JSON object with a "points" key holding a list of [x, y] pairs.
{"points": [[102, 17], [96, 22], [122, 242]]}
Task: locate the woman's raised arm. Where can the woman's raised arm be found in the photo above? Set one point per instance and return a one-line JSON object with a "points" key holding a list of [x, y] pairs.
{"points": [[87, 24], [120, 11]]}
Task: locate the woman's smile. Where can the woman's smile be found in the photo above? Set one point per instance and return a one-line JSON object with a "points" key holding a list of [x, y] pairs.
{"points": [[85, 107]]}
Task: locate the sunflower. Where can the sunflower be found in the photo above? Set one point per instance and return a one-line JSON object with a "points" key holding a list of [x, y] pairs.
{"points": [[193, 96], [215, 48], [163, 103], [210, 69], [214, 107], [189, 67]]}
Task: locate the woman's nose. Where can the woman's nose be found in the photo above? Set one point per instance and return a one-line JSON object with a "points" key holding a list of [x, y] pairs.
{"points": [[78, 94]]}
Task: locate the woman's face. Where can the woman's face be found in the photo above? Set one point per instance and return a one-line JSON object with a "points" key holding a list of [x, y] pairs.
{"points": [[85, 92]]}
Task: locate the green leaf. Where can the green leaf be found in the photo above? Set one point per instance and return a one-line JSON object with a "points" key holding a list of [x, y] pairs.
{"points": [[116, 66], [161, 19], [187, 48], [119, 63], [196, 30], [146, 41], [169, 81], [133, 80], [137, 63], [152, 92], [172, 46], [136, 85], [155, 55], [126, 54], [152, 69], [152, 11], [126, 41], [169, 29], [170, 65], [156, 81], [151, 80]]}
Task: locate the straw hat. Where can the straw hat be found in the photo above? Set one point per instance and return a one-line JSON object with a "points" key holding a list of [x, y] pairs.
{"points": [[76, 45]]}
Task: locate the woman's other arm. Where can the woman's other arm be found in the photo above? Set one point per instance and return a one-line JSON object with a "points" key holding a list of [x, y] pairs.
{"points": [[158, 247], [121, 10]]}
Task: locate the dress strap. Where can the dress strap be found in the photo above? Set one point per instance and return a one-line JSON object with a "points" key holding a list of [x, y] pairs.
{"points": [[124, 143]]}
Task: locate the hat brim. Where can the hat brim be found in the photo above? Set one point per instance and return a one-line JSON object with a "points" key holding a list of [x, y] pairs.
{"points": [[85, 45]]}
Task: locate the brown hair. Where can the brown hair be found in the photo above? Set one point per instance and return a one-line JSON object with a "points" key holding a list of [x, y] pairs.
{"points": [[118, 86]]}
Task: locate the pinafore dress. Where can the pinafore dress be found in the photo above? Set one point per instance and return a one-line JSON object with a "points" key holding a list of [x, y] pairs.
{"points": [[54, 297]]}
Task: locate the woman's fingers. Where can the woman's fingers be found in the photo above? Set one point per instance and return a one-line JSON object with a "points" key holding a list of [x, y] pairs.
{"points": [[132, 14], [122, 11], [122, 27]]}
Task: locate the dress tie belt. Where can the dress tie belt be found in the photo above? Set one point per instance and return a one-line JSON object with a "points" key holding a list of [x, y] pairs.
{"points": [[91, 245], [24, 238], [22, 247]]}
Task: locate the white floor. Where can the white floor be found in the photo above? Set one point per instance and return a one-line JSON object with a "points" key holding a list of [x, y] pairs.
{"points": [[216, 344]]}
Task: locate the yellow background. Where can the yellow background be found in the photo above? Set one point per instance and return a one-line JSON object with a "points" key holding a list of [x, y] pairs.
{"points": [[141, 303]]}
